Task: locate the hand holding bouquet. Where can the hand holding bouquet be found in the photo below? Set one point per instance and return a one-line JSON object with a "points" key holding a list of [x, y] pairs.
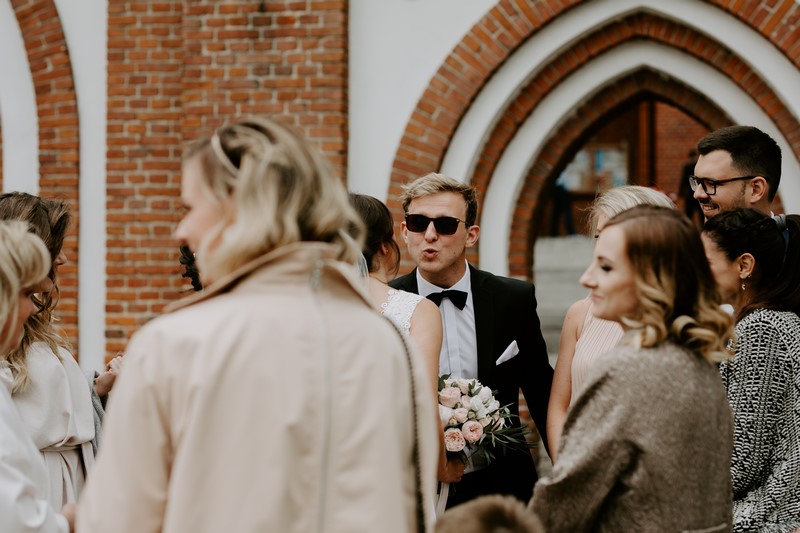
{"points": [[474, 422]]}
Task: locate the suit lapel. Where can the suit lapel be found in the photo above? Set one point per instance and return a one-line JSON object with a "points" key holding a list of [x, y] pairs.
{"points": [[484, 325], [406, 283]]}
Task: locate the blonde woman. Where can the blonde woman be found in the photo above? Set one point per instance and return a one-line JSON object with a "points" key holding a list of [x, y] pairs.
{"points": [[276, 399], [647, 442], [24, 262], [584, 337]]}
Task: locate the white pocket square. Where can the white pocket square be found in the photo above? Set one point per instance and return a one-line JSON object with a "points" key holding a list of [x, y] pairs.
{"points": [[509, 353]]}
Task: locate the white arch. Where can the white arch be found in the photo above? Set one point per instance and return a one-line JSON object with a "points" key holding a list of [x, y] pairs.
{"points": [[498, 205], [479, 120], [758, 52], [85, 30], [17, 109]]}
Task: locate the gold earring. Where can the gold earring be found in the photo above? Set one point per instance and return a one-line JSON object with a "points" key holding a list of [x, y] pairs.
{"points": [[743, 287]]}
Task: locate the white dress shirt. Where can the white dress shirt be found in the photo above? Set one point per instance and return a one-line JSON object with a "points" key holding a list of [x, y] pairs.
{"points": [[459, 355]]}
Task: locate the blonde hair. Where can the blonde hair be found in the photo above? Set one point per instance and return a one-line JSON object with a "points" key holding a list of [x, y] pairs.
{"points": [[614, 201], [282, 192], [24, 261], [435, 183], [678, 296], [49, 220]]}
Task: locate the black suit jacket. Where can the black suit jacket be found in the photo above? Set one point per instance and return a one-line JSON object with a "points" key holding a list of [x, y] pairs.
{"points": [[505, 311]]}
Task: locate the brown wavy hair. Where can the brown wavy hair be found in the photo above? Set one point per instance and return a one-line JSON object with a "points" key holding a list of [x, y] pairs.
{"points": [[679, 300], [48, 219]]}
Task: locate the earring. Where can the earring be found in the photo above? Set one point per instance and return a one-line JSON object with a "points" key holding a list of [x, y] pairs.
{"points": [[743, 287]]}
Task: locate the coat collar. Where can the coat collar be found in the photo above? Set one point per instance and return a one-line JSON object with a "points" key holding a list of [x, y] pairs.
{"points": [[300, 260]]}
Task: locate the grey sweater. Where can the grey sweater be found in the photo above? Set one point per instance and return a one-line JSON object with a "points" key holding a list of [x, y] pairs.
{"points": [[646, 447]]}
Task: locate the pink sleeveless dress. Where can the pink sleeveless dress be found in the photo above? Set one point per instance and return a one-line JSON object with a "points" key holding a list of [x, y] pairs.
{"points": [[597, 337]]}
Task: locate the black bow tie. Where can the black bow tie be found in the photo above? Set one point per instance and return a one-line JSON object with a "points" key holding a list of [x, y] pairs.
{"points": [[459, 298]]}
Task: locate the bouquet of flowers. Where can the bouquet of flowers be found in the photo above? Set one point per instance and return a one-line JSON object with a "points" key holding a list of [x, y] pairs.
{"points": [[474, 421]]}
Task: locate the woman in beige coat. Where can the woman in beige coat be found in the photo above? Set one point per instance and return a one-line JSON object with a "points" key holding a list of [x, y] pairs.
{"points": [[277, 399]]}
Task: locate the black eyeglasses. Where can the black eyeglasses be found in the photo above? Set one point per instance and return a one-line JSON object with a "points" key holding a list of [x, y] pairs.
{"points": [[443, 225], [710, 186]]}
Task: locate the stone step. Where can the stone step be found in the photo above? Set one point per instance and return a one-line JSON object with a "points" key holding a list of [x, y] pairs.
{"points": [[558, 265]]}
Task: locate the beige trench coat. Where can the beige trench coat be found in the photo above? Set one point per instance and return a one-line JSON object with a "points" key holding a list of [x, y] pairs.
{"points": [[276, 401]]}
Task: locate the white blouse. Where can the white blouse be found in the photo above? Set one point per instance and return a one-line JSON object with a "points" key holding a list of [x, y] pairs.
{"points": [[56, 409]]}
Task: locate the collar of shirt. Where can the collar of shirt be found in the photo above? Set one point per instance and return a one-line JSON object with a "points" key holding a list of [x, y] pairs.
{"points": [[424, 287]]}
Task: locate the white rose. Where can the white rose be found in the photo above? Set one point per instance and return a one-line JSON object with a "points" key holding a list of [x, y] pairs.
{"points": [[445, 414], [461, 415], [492, 406], [477, 405], [485, 394], [485, 421], [463, 385]]}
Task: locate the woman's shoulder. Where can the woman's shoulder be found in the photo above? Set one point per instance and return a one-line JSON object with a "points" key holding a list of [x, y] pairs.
{"points": [[770, 319]]}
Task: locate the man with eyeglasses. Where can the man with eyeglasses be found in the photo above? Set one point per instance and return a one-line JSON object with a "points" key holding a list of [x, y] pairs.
{"points": [[491, 329], [738, 166]]}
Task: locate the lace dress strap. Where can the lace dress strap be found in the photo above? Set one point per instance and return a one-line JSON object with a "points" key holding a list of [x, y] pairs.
{"points": [[399, 306]]}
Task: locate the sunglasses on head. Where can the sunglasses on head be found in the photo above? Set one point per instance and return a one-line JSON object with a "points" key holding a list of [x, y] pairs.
{"points": [[443, 225]]}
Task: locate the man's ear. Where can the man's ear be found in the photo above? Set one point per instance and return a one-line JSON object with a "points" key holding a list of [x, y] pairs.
{"points": [[404, 231], [473, 232], [759, 189], [746, 265]]}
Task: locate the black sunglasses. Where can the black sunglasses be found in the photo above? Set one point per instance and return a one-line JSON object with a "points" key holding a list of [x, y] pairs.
{"points": [[443, 225], [709, 186]]}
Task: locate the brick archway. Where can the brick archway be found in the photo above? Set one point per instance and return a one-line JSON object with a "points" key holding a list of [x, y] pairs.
{"points": [[562, 144], [57, 111], [492, 41]]}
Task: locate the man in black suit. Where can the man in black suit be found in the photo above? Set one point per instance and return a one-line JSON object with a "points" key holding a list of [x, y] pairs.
{"points": [[484, 317]]}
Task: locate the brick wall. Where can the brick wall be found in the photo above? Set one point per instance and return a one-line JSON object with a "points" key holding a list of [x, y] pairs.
{"points": [[676, 134], [176, 71]]}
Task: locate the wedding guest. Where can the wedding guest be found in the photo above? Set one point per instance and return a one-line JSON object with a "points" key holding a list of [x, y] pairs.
{"points": [[584, 337], [646, 444], [276, 398], [490, 514], [484, 317], [61, 413], [416, 316], [24, 262], [738, 166], [756, 261]]}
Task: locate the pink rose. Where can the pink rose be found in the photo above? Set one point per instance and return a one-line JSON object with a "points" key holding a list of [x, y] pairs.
{"points": [[449, 396], [463, 385], [454, 440], [465, 401], [472, 431], [461, 415]]}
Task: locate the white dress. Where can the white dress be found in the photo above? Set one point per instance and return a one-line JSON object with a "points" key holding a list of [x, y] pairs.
{"points": [[399, 306], [23, 504], [56, 409]]}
